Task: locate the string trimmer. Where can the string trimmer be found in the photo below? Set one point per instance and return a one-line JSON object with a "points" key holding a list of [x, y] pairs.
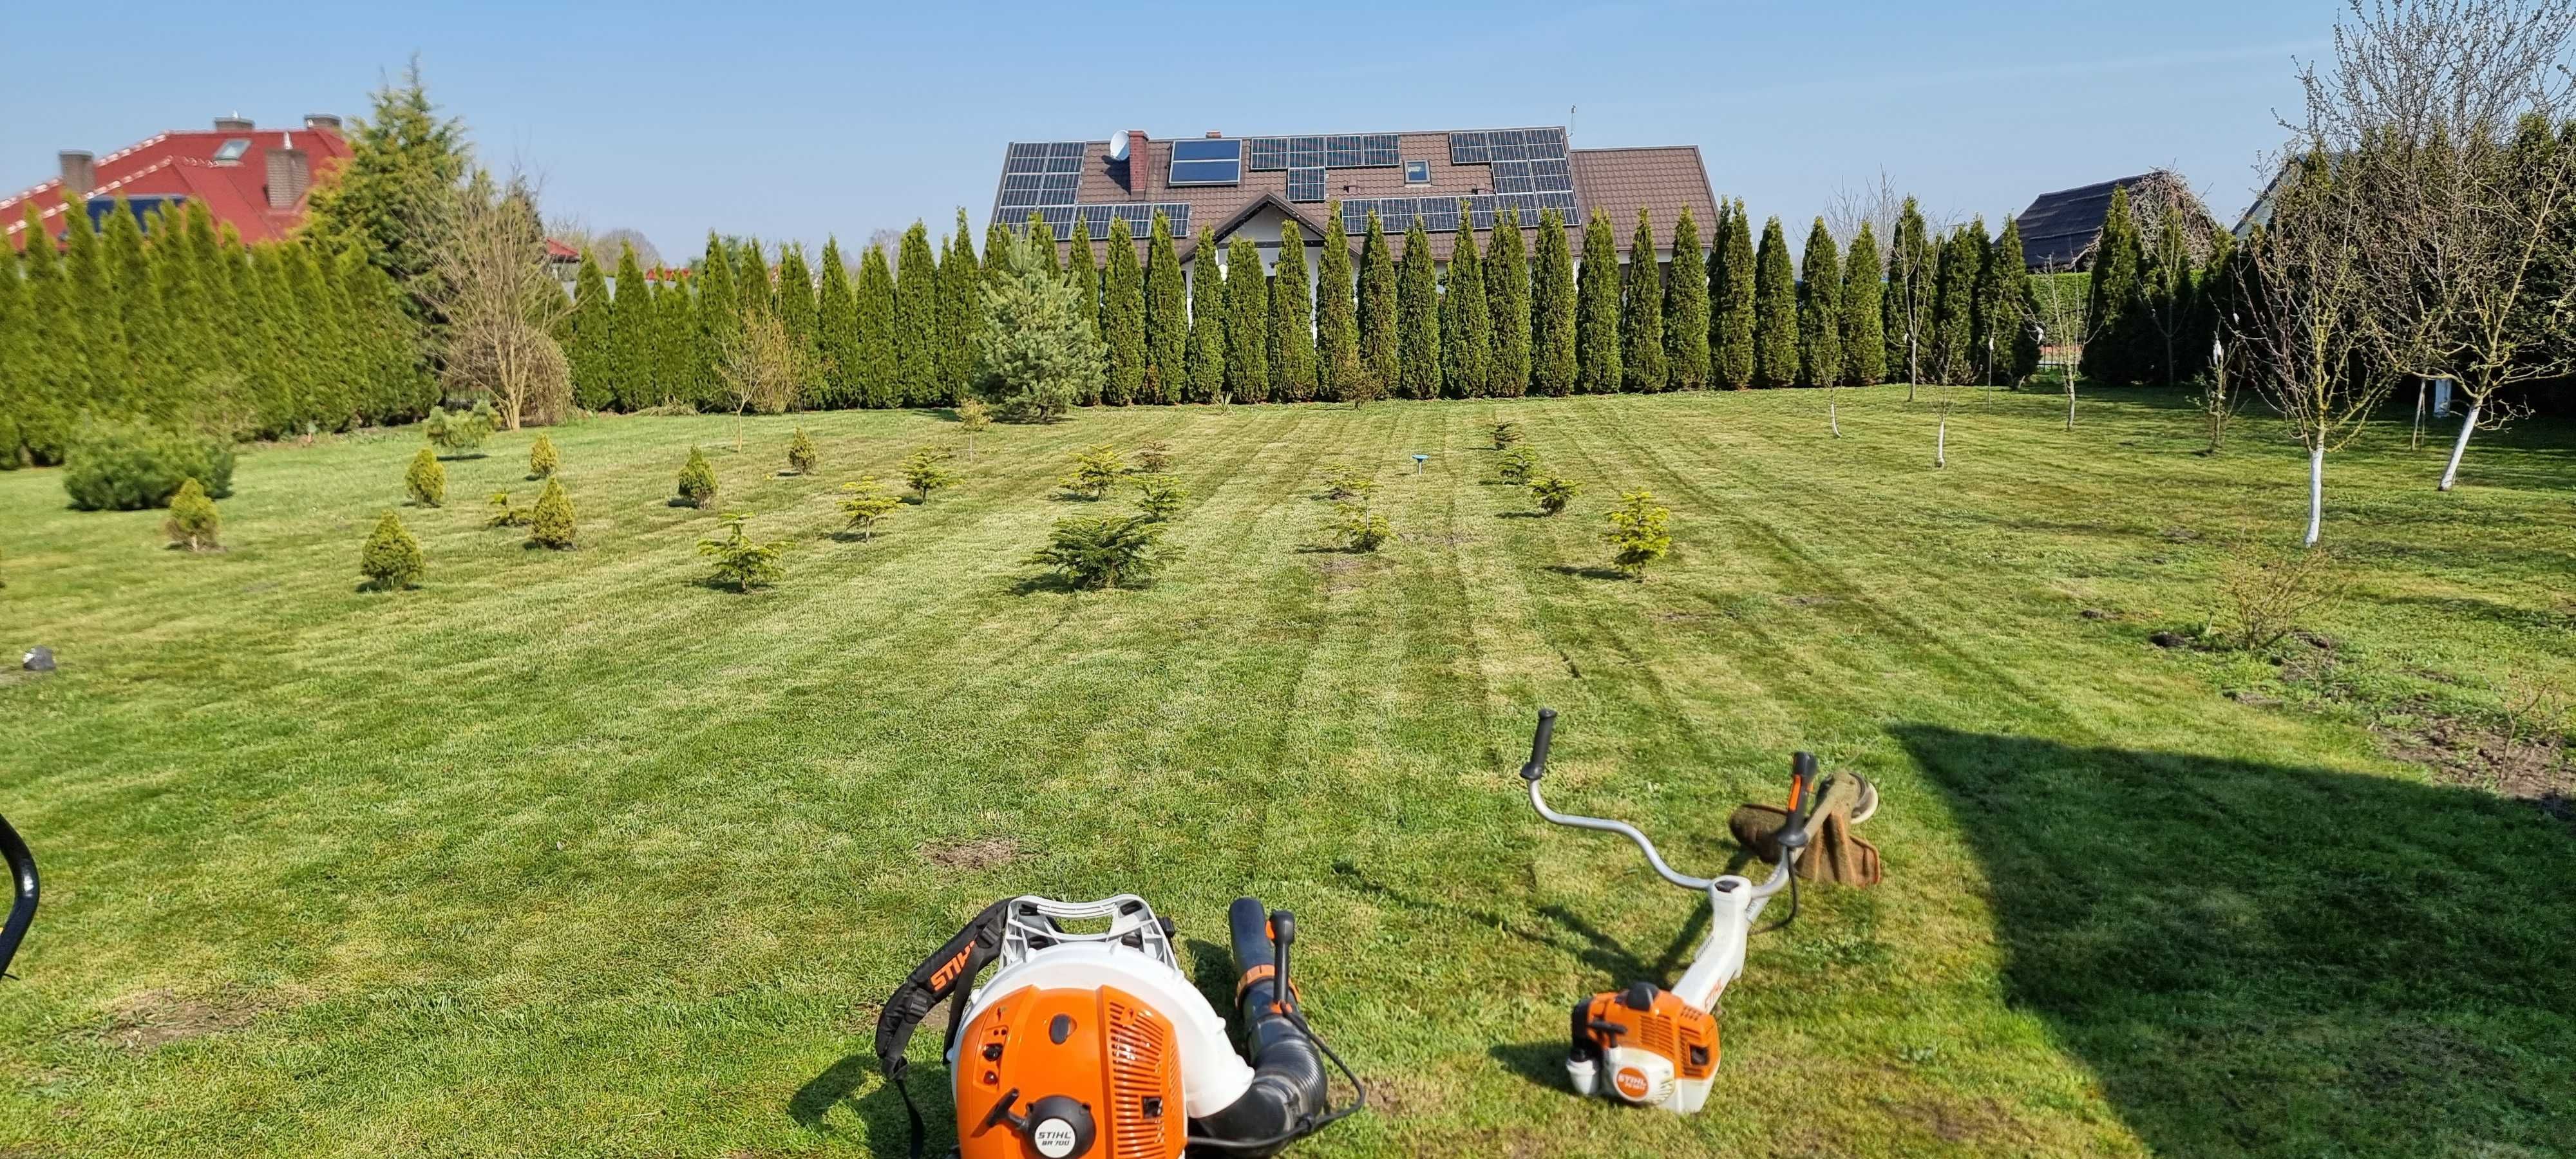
{"points": [[1659, 1046]]}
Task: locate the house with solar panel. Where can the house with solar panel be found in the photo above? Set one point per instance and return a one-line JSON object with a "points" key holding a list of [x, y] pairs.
{"points": [[2060, 231], [253, 179], [1251, 186]]}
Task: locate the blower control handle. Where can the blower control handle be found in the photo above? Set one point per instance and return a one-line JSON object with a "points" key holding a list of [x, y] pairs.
{"points": [[1537, 765]]}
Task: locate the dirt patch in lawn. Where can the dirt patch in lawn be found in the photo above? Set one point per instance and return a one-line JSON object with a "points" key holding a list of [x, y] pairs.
{"points": [[151, 1019], [2537, 769], [981, 853]]}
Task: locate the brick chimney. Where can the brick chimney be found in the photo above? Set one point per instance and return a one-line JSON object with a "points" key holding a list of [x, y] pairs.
{"points": [[289, 172], [80, 172], [1140, 174], [233, 124], [322, 121], [1215, 135]]}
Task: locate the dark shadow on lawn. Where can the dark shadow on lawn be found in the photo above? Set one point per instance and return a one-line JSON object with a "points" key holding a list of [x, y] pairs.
{"points": [[2275, 959], [881, 1108], [1614, 961], [1598, 573], [1520, 515]]}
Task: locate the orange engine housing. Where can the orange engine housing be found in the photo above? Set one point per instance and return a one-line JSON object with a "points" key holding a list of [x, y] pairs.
{"points": [[1667, 1027], [1101, 1048]]}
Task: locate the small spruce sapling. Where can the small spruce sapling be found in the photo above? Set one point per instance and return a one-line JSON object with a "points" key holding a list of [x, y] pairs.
{"points": [[1101, 552], [192, 523], [457, 433], [800, 454], [1506, 434], [503, 513], [1095, 470], [865, 502], [1553, 492], [697, 481], [391, 559], [1159, 497], [1154, 457], [1518, 464], [743, 563], [542, 460], [1637, 531], [1359, 527], [550, 525], [1343, 481], [426, 480], [924, 471]]}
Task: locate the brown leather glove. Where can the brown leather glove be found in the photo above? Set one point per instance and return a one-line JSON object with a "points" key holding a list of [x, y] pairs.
{"points": [[1833, 854]]}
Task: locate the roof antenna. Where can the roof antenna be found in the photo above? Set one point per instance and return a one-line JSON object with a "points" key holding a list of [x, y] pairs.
{"points": [[1569, 124]]}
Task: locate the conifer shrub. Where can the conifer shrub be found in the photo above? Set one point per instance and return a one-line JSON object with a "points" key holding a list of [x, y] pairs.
{"points": [[1359, 527], [391, 559], [192, 523], [1099, 552], [457, 432], [426, 480], [742, 563], [1343, 481], [1518, 464], [1096, 469], [1553, 492], [972, 417], [1637, 532], [542, 460], [1159, 497], [112, 466], [1154, 457], [925, 470], [1507, 434], [865, 502], [504, 513], [697, 481], [550, 524], [801, 453]]}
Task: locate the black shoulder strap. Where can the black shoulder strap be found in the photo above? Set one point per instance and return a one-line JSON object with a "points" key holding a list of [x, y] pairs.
{"points": [[948, 971]]}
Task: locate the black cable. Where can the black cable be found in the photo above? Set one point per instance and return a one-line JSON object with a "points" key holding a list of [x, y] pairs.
{"points": [[1792, 916], [1306, 1126], [910, 1111]]}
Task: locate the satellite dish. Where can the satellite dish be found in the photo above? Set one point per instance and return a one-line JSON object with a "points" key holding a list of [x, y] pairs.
{"points": [[1118, 146]]}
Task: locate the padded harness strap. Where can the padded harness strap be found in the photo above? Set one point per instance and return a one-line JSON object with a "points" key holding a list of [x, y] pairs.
{"points": [[949, 971]]}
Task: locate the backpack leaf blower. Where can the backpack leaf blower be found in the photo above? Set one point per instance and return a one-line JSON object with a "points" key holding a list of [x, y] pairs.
{"points": [[22, 904], [1658, 1046], [1097, 1044]]}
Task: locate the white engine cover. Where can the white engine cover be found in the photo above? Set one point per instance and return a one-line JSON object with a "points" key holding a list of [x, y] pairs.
{"points": [[1641, 1077]]}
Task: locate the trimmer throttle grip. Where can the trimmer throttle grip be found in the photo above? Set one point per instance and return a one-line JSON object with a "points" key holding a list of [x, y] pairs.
{"points": [[1802, 801], [1537, 765]]}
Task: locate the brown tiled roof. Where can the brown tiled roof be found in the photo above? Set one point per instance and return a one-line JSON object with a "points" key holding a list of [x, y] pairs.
{"points": [[1614, 181]]}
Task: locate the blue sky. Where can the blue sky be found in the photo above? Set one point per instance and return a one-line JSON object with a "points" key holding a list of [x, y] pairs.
{"points": [[796, 120]]}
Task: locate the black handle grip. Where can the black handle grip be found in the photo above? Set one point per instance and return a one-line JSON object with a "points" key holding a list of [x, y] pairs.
{"points": [[1802, 801], [1283, 928], [1537, 765], [22, 904]]}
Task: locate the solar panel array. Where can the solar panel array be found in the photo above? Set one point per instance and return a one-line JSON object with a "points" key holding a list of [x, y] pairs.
{"points": [[1441, 214], [1485, 146], [1046, 177], [1338, 151], [1306, 183]]}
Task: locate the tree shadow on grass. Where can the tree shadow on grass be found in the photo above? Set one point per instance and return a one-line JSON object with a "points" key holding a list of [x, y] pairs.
{"points": [[1597, 573], [1616, 964], [2259, 958]]}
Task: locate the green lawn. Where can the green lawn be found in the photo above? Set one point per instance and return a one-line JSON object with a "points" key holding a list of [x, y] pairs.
{"points": [[565, 854]]}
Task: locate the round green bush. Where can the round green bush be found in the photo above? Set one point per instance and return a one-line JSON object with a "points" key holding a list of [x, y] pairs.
{"points": [[193, 522], [551, 524], [426, 480], [391, 559], [542, 460], [131, 467], [697, 480]]}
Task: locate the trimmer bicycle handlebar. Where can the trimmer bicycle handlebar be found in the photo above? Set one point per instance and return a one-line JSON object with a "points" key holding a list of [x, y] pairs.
{"points": [[22, 906], [1792, 837]]}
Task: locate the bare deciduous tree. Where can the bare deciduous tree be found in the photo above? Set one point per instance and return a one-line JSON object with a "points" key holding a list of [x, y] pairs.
{"points": [[2057, 309], [764, 369], [502, 304]]}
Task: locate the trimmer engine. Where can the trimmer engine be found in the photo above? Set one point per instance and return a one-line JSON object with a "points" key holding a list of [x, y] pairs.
{"points": [[1658, 1050]]}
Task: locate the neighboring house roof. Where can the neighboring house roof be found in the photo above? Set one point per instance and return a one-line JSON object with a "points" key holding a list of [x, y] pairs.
{"points": [[1664, 180], [225, 169], [2059, 230]]}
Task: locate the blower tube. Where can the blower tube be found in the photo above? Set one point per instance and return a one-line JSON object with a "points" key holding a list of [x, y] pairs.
{"points": [[1287, 1092]]}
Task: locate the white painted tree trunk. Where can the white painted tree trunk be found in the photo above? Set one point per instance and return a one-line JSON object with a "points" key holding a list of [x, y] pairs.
{"points": [[2316, 490], [1941, 444], [1833, 417], [2451, 473]]}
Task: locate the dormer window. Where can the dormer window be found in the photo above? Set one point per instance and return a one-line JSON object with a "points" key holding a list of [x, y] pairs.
{"points": [[1417, 173], [233, 149]]}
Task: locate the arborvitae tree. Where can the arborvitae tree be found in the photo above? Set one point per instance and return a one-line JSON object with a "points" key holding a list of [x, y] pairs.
{"points": [[877, 380], [144, 362], [1041, 237], [426, 479], [92, 305], [47, 405], [1820, 300], [919, 362], [1912, 265], [1641, 314], [182, 260], [675, 370], [752, 291], [836, 329], [290, 386], [997, 236], [591, 342], [1864, 361], [1381, 351], [1207, 320], [1954, 299], [1247, 323], [193, 522], [797, 318], [1337, 324], [543, 459], [1291, 347], [1992, 316], [2111, 346], [1167, 318], [1467, 329], [1731, 290], [1686, 321], [959, 311], [327, 401], [391, 558], [1122, 319], [1552, 356], [1085, 280], [631, 327], [1775, 311], [1507, 306], [16, 356], [1596, 313], [2215, 293], [550, 524], [1417, 309], [719, 324]]}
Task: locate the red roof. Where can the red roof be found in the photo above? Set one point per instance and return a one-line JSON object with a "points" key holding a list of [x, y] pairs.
{"points": [[184, 163]]}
